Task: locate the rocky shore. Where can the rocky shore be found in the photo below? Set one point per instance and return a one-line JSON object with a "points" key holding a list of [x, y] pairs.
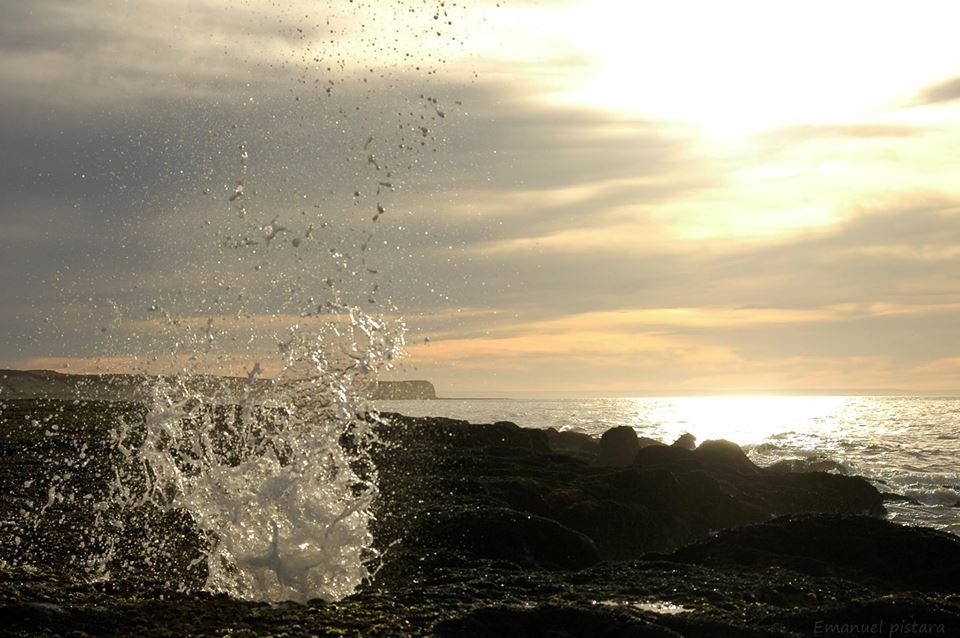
{"points": [[497, 530]]}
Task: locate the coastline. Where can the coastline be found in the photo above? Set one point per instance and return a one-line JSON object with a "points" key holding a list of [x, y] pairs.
{"points": [[494, 529]]}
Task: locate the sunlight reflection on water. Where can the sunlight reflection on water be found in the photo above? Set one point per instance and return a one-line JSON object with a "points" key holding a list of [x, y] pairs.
{"points": [[745, 420]]}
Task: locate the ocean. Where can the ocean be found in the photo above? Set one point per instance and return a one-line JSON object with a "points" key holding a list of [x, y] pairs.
{"points": [[905, 445]]}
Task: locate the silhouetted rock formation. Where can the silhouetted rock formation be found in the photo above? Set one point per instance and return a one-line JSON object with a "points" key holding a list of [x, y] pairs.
{"points": [[619, 446], [888, 556], [576, 444], [686, 441], [551, 620], [667, 497]]}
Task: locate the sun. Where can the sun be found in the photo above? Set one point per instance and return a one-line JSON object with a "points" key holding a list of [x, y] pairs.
{"points": [[730, 69], [735, 68]]}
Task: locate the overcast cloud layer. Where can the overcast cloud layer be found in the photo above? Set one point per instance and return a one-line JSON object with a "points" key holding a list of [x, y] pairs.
{"points": [[531, 244]]}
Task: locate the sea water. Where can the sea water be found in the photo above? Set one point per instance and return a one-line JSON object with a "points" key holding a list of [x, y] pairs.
{"points": [[905, 445]]}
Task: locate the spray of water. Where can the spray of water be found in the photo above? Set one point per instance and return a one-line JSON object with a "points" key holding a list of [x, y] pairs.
{"points": [[259, 484], [272, 474]]}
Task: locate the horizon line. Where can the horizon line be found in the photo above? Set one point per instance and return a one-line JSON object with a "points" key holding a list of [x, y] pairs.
{"points": [[475, 395], [803, 392]]}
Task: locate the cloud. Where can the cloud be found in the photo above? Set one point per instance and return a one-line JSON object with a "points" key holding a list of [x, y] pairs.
{"points": [[945, 91], [789, 138], [938, 374], [570, 352], [87, 54], [886, 256], [535, 146], [800, 312], [93, 54], [539, 240], [533, 251]]}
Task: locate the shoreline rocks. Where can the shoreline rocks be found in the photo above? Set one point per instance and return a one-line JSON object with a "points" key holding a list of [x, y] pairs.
{"points": [[494, 529], [666, 497]]}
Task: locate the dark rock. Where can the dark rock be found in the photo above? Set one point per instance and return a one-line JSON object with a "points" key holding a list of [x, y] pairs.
{"points": [[505, 534], [886, 616], [818, 492], [619, 446], [889, 557], [552, 620], [671, 496], [725, 456], [455, 433], [523, 494], [485, 531], [664, 455], [646, 441], [575, 444], [589, 448], [686, 441]]}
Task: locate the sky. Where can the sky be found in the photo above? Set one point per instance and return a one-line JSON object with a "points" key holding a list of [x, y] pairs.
{"points": [[587, 198]]}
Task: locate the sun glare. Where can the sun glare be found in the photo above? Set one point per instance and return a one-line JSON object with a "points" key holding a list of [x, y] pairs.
{"points": [[745, 420], [736, 68]]}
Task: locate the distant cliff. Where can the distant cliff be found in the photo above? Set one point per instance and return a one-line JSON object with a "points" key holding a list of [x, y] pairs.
{"points": [[35, 384], [32, 384], [401, 390], [48, 384]]}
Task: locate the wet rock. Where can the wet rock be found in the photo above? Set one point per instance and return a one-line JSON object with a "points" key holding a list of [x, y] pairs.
{"points": [[686, 441], [552, 620], [646, 441], [818, 492], [594, 450], [664, 455], [526, 540], [619, 446], [460, 434], [887, 556], [486, 531], [576, 444], [669, 497], [725, 456], [886, 616]]}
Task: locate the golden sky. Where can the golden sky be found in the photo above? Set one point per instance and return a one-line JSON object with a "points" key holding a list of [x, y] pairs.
{"points": [[602, 197]]}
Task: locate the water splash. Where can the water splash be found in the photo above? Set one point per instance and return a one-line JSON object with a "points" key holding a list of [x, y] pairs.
{"points": [[277, 479], [258, 483], [258, 488]]}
